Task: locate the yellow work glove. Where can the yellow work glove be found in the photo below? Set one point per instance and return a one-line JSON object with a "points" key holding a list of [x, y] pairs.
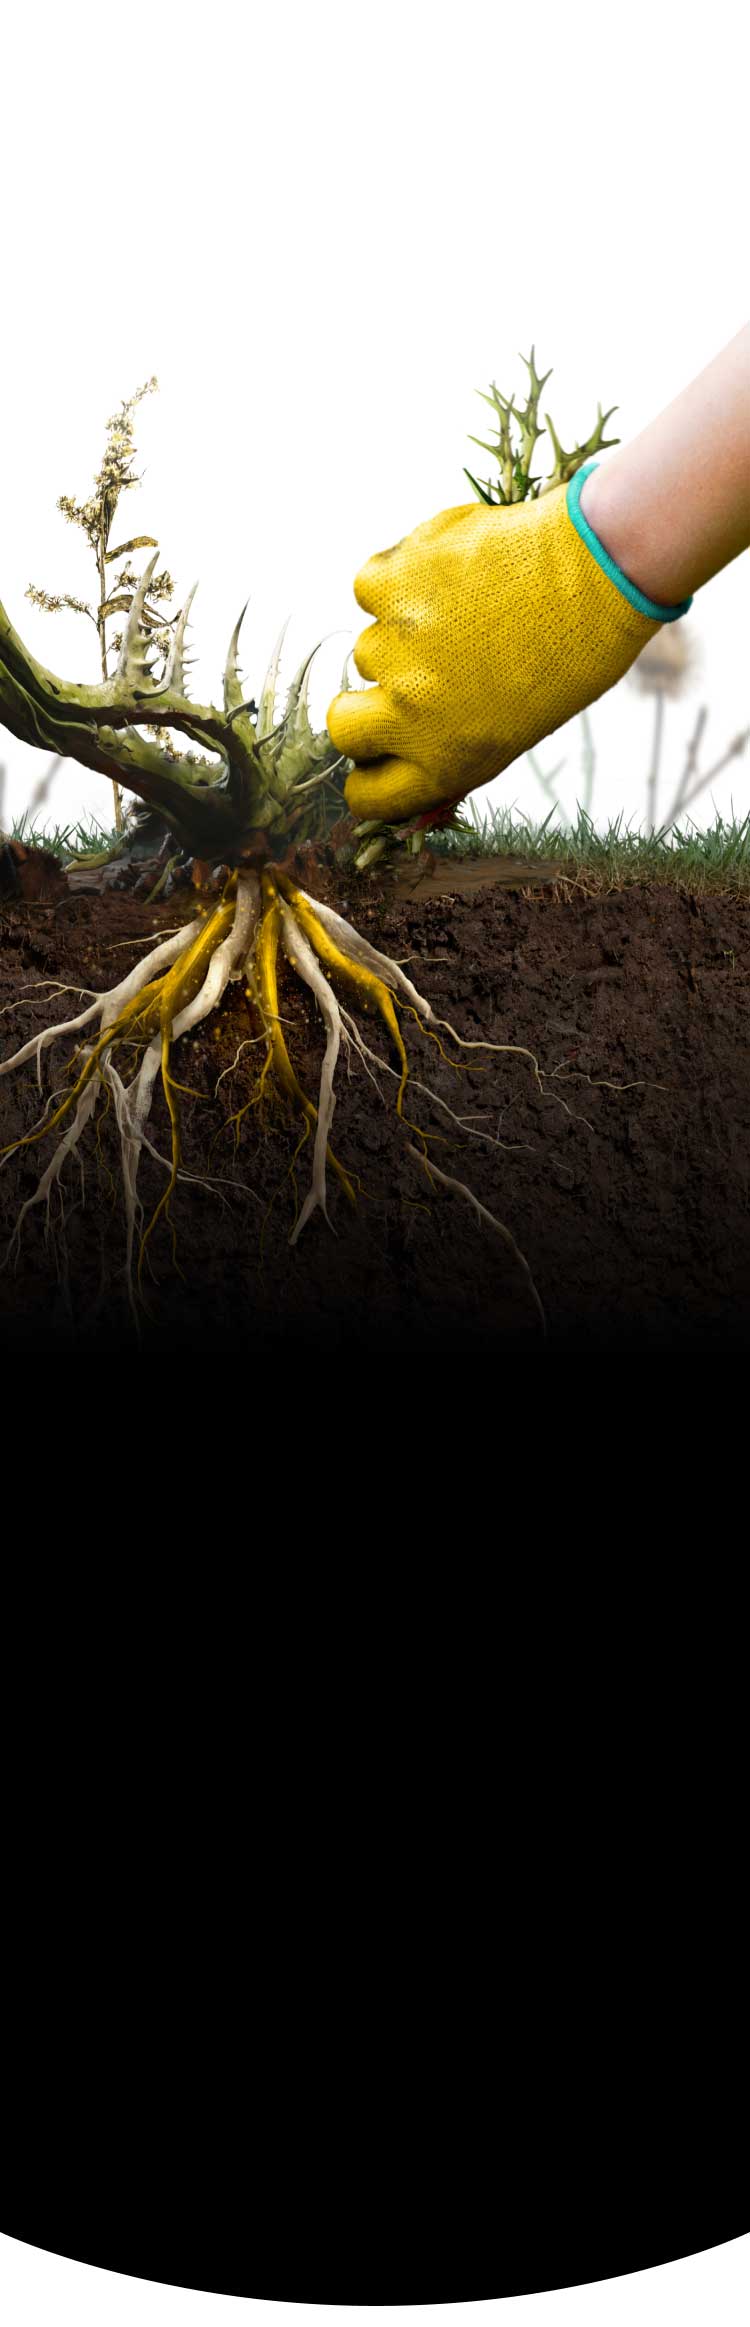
{"points": [[493, 626]]}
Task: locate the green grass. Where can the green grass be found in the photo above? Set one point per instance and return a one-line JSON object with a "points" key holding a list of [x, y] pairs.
{"points": [[70, 841], [718, 858]]}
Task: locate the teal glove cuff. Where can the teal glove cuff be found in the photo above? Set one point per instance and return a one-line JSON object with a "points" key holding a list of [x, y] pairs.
{"points": [[628, 589]]}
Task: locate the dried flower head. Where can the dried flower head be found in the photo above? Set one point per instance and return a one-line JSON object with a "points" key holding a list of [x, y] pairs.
{"points": [[667, 663], [95, 516], [53, 602]]}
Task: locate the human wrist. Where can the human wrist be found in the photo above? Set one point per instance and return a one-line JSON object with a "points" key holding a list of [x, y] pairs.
{"points": [[621, 562], [672, 507], [619, 514]]}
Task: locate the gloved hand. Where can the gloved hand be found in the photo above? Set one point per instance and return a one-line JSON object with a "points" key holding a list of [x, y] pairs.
{"points": [[493, 626]]}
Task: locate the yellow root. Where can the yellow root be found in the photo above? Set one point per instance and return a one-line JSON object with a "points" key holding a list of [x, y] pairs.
{"points": [[244, 932], [143, 1013], [266, 971], [365, 982], [178, 988], [456, 1063], [181, 984]]}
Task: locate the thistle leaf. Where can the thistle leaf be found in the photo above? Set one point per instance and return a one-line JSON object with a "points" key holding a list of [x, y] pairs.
{"points": [[174, 675], [486, 497], [133, 670], [566, 463], [292, 744], [296, 703], [233, 690], [267, 703], [293, 749], [499, 403]]}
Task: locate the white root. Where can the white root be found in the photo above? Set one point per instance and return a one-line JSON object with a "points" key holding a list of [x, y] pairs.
{"points": [[133, 1138], [251, 1042], [509, 1146], [356, 1041], [459, 1188], [132, 1107], [352, 1034], [305, 961], [108, 1004], [42, 1193], [30, 1001], [358, 950]]}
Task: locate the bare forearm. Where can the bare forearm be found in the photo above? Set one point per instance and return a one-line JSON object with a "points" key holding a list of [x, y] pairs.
{"points": [[673, 506]]}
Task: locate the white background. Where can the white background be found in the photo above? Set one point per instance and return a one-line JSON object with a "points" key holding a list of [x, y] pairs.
{"points": [[42, 2290], [323, 228]]}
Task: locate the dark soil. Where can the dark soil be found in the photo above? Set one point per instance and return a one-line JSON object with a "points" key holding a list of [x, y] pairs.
{"points": [[632, 1209]]}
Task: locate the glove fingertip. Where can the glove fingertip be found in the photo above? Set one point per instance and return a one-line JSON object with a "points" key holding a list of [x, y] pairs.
{"points": [[337, 711]]}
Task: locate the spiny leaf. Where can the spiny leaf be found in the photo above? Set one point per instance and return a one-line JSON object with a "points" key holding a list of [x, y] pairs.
{"points": [[566, 463], [483, 446], [296, 702], [499, 403], [233, 690], [291, 744], [267, 703], [174, 675], [486, 497], [133, 669], [536, 385], [294, 750]]}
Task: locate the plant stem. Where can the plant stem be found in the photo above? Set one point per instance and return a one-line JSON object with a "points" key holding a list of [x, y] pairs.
{"points": [[689, 767], [589, 761], [733, 751], [655, 758], [42, 786], [101, 624]]}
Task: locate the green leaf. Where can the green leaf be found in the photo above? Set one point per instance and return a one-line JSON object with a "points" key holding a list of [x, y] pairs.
{"points": [[174, 675], [479, 489], [233, 690], [267, 702]]}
